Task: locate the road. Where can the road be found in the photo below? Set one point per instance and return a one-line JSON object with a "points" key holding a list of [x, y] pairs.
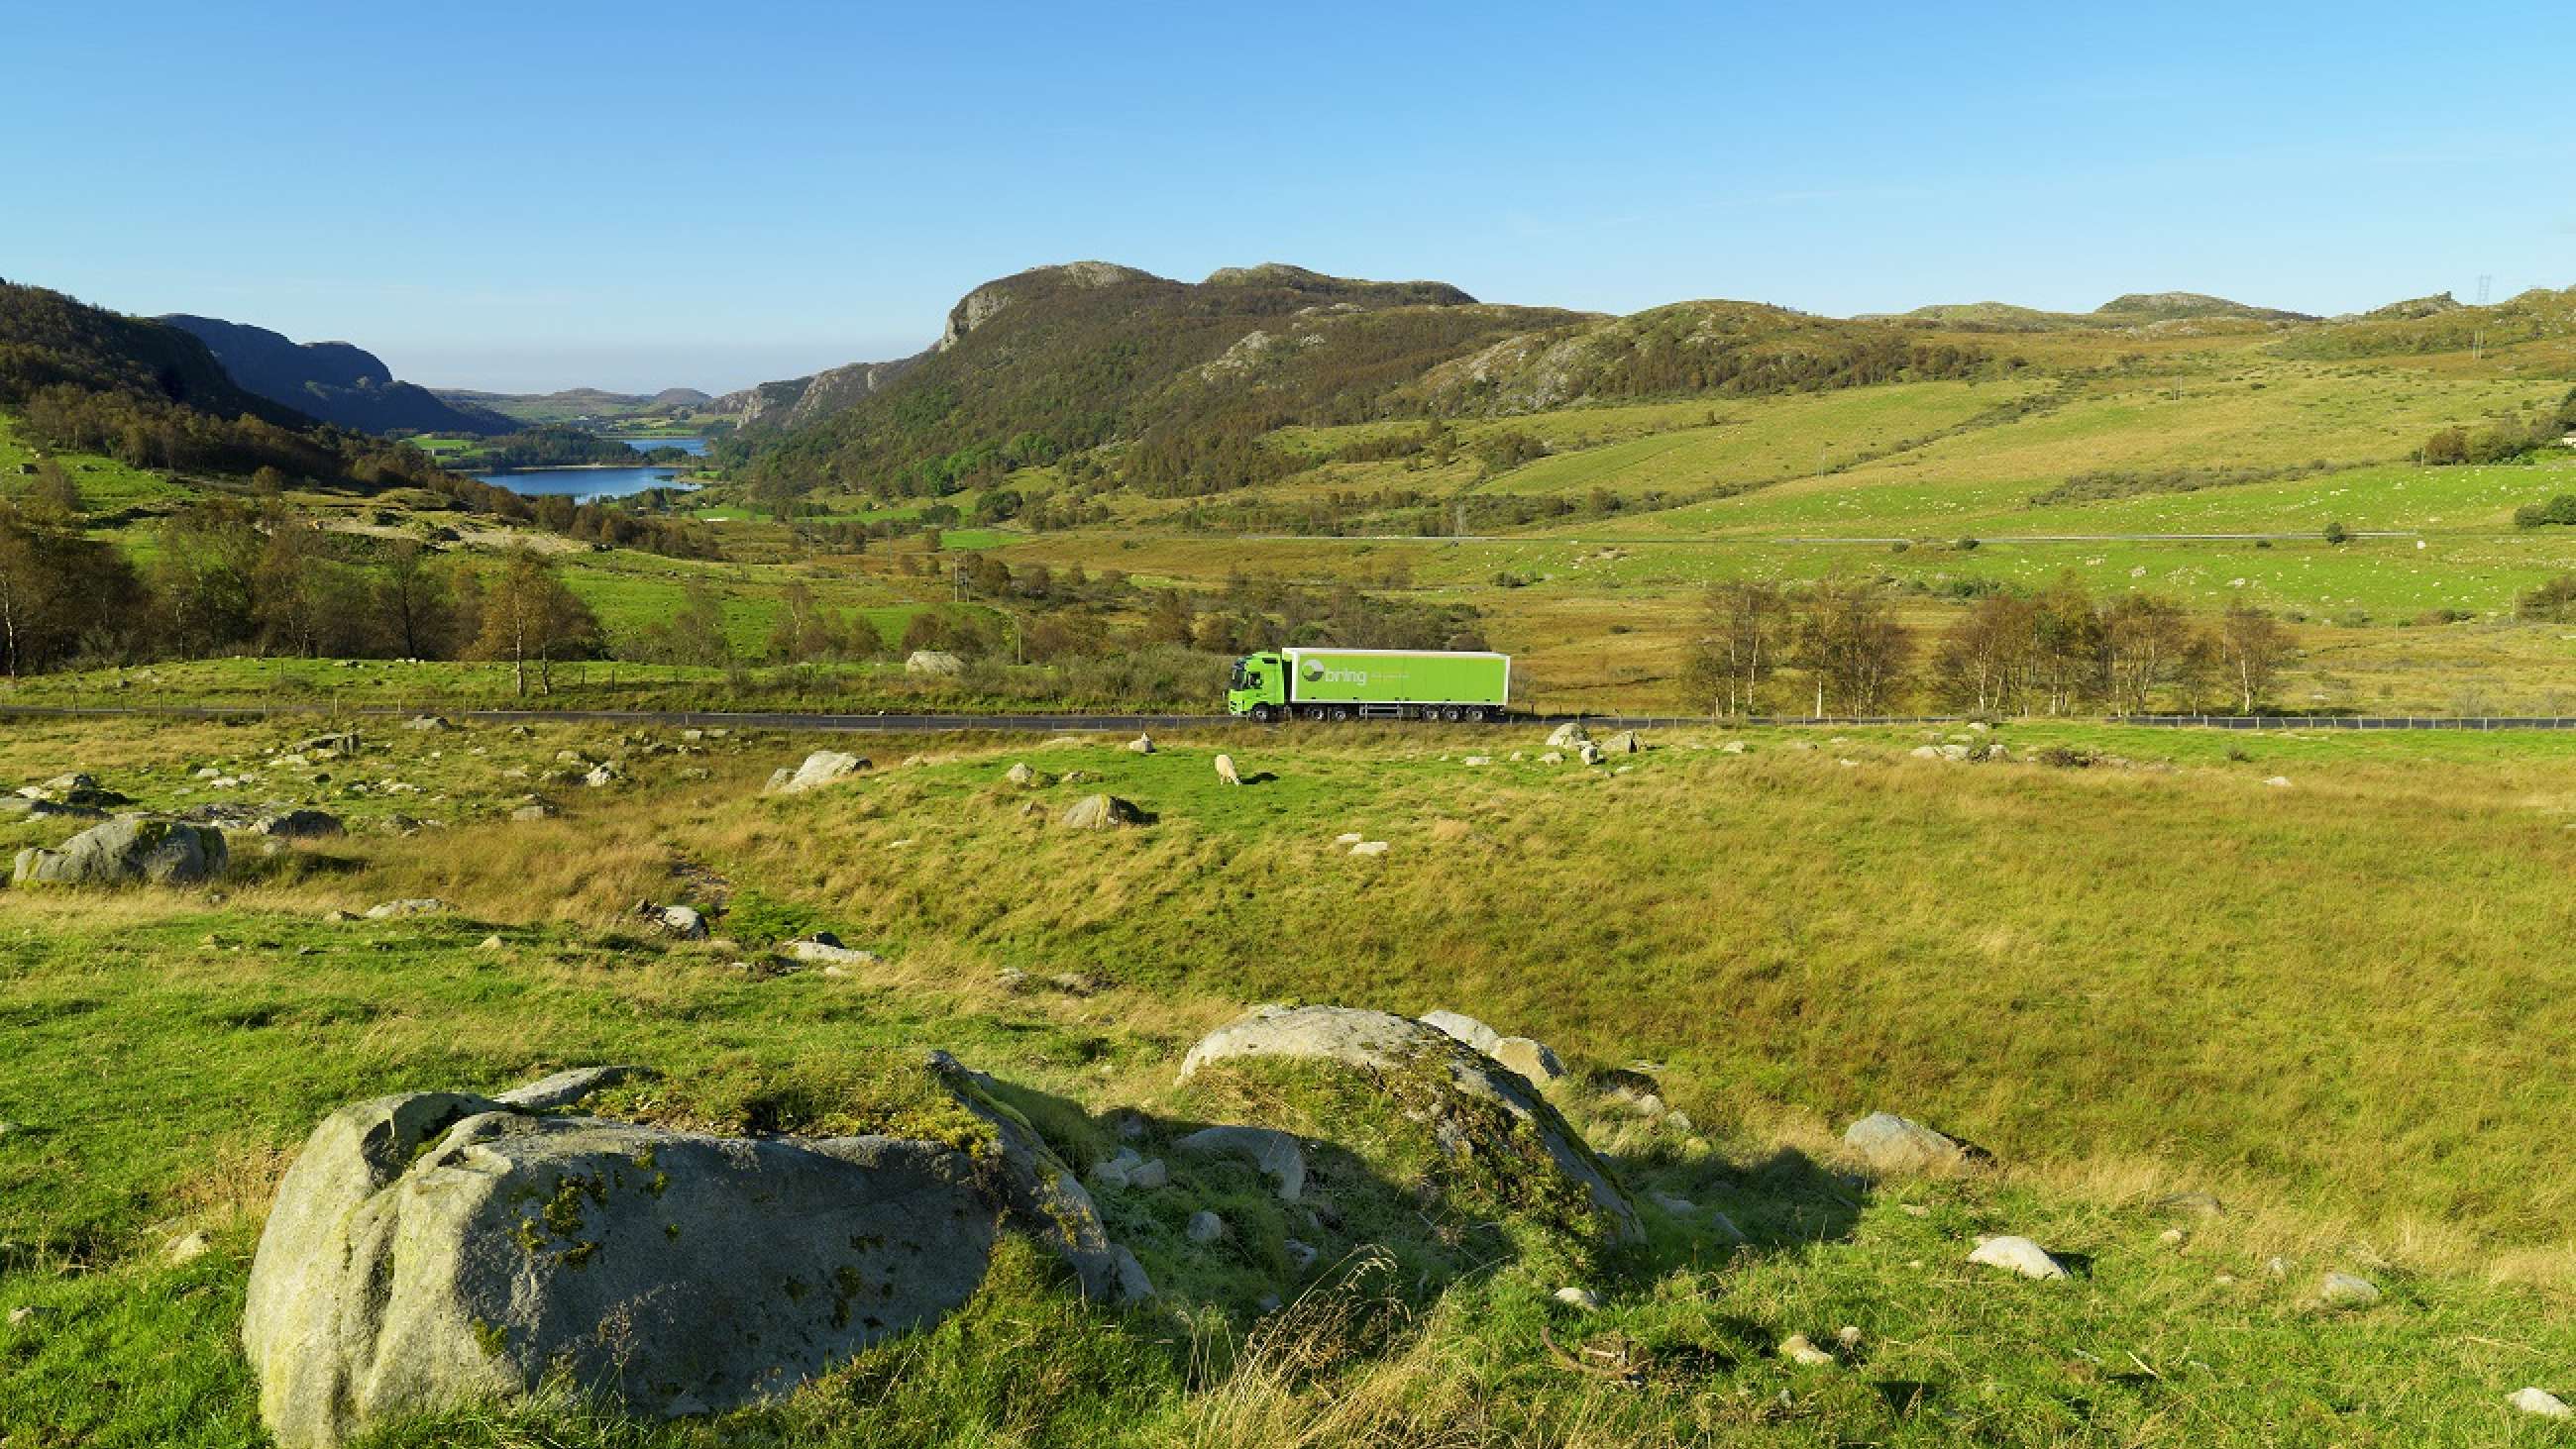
{"points": [[1106, 723]]}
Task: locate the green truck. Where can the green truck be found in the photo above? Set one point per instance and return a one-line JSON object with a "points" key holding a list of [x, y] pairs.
{"points": [[1341, 684]]}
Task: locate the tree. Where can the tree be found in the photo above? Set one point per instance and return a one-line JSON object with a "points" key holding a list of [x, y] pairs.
{"points": [[1984, 660], [2142, 635], [415, 610], [529, 617], [2251, 645], [2067, 645], [1738, 648], [288, 587], [1848, 640], [2336, 533], [55, 496]]}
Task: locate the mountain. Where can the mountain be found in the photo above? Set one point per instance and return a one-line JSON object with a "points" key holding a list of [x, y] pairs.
{"points": [[2146, 307], [588, 404], [49, 339], [2132, 310], [1059, 360], [333, 381]]}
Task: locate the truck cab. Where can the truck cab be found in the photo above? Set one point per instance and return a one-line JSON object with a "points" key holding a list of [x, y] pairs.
{"points": [[1258, 687]]}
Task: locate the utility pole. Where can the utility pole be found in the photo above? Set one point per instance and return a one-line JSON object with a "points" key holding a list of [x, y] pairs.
{"points": [[2478, 337]]}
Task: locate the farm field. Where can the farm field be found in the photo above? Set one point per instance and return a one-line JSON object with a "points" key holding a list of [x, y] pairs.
{"points": [[2327, 1004]]}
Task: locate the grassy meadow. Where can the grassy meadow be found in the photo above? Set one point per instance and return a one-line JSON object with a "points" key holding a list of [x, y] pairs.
{"points": [[2139, 971]]}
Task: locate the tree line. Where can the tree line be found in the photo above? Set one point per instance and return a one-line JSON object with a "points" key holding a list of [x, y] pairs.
{"points": [[2056, 652], [230, 578]]}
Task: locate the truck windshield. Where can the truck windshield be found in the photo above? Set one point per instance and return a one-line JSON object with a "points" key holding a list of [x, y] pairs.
{"points": [[1236, 681]]}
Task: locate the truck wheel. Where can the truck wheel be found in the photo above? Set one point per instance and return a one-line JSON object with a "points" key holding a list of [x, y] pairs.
{"points": [[1475, 716], [1261, 714], [1315, 712], [1449, 714], [1340, 714]]}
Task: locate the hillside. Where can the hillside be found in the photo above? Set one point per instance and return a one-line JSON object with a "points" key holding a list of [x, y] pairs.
{"points": [[2353, 1237], [597, 405], [1060, 360], [48, 340], [335, 382]]}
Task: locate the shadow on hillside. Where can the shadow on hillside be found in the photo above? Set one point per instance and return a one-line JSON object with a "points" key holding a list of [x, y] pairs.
{"points": [[1779, 1202]]}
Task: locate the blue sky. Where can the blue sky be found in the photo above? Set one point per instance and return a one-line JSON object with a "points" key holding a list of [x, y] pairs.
{"points": [[638, 196]]}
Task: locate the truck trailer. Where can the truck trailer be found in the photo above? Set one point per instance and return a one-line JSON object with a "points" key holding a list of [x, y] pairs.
{"points": [[1341, 684]]}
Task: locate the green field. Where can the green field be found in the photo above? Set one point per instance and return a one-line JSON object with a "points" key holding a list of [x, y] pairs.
{"points": [[2331, 1004]]}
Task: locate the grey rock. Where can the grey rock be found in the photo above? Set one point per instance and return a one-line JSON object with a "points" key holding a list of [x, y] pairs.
{"points": [[686, 922], [1369, 848], [2346, 1290], [1623, 743], [2018, 1255], [819, 768], [1465, 1028], [128, 850], [1582, 1299], [1801, 1350], [1301, 1255], [1100, 812], [427, 724], [187, 1248], [571, 1085], [1530, 1058], [343, 745], [1382, 1043], [1204, 1227], [29, 1313], [1276, 1154], [937, 662], [1568, 735], [2540, 1402], [1150, 1174], [819, 952], [441, 1249], [28, 807], [1020, 774], [1893, 1144], [1134, 1286], [416, 906], [299, 825]]}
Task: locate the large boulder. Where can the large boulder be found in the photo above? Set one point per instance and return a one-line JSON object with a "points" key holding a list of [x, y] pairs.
{"points": [[1490, 1126], [1100, 812], [439, 1249], [820, 768], [933, 661], [293, 824], [128, 850], [1567, 735], [1893, 1144]]}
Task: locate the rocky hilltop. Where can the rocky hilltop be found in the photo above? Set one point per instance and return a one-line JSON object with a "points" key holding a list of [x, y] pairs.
{"points": [[336, 382]]}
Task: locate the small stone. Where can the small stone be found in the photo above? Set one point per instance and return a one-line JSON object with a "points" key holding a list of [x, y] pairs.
{"points": [[1369, 848], [1152, 1174], [186, 1249], [1205, 1227], [490, 943], [1847, 1337], [23, 1315], [1581, 1298], [1680, 1207], [1801, 1350], [1300, 1254], [1348, 837], [2020, 1255], [419, 906], [2345, 1290], [2541, 1402], [1726, 1228], [2170, 1237], [1133, 1285]]}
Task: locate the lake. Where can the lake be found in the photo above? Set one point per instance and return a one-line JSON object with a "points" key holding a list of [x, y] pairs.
{"points": [[694, 447], [584, 485]]}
